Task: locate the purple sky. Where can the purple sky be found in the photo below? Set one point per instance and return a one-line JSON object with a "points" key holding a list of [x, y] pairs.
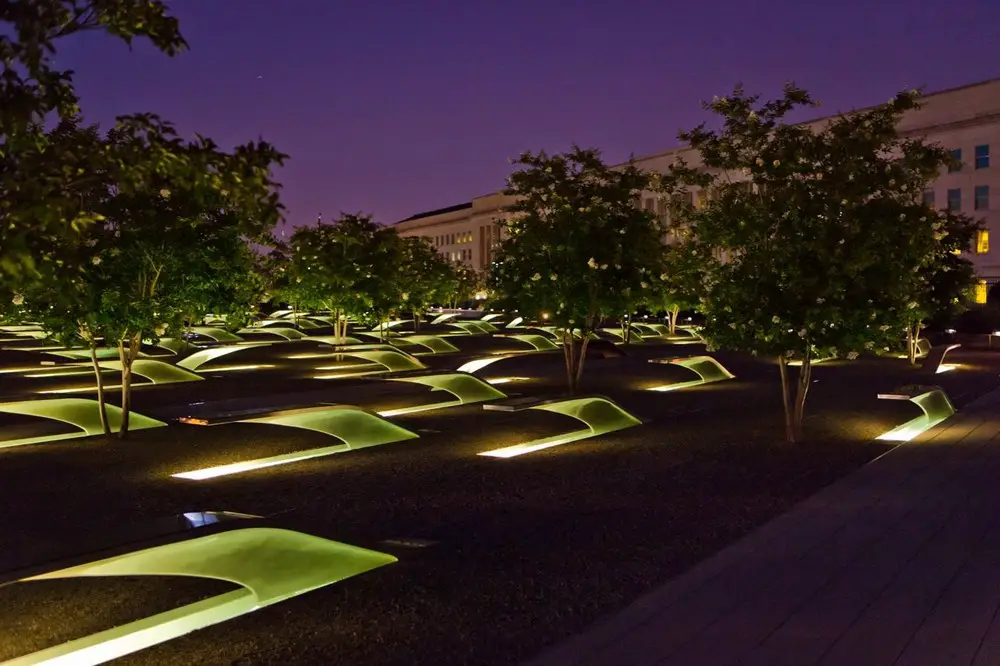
{"points": [[397, 107]]}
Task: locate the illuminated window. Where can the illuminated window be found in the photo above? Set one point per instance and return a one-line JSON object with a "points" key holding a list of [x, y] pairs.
{"points": [[983, 156], [700, 198], [982, 199], [929, 197], [983, 241], [980, 295], [956, 156], [955, 199]]}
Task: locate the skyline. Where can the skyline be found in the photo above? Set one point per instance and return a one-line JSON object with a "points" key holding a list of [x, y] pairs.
{"points": [[400, 112]]}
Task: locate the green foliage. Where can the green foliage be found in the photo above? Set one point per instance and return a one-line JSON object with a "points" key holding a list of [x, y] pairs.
{"points": [[351, 266], [464, 284], [577, 247], [827, 248], [425, 276], [170, 239], [40, 171]]}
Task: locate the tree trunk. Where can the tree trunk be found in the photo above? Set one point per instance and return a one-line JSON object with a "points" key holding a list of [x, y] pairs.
{"points": [[102, 406], [626, 329], [127, 357], [580, 360], [416, 322], [912, 336], [794, 403], [672, 316], [569, 349]]}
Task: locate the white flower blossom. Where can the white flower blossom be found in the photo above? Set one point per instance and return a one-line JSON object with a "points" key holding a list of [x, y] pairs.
{"points": [[592, 262], [536, 277], [96, 260], [664, 276], [604, 267], [760, 161], [18, 299], [165, 193], [405, 296], [553, 277], [820, 300], [775, 319], [776, 163], [802, 333], [643, 285], [851, 356]]}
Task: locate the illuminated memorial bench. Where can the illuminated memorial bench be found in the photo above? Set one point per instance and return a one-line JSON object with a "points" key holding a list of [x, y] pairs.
{"points": [[286, 333], [636, 335], [392, 360], [934, 360], [78, 412], [473, 327], [354, 427], [707, 368], [432, 343], [157, 372], [466, 388], [216, 334], [268, 564], [931, 400], [539, 342], [600, 416]]}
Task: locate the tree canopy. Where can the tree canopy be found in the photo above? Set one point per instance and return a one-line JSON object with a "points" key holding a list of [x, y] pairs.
{"points": [[577, 248], [815, 237]]}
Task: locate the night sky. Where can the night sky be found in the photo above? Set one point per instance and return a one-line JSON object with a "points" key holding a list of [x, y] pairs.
{"points": [[397, 107]]}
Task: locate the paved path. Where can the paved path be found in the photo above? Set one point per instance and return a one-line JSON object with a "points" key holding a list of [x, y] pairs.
{"points": [[896, 564]]}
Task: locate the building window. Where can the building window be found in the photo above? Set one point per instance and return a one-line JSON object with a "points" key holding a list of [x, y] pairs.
{"points": [[955, 199], [983, 241], [648, 204], [983, 156], [982, 200], [981, 292], [929, 197], [956, 156]]}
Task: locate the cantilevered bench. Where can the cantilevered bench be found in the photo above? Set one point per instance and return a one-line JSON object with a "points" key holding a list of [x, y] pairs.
{"points": [[934, 360], [707, 368], [353, 426], [931, 400], [268, 564], [466, 388], [600, 415]]}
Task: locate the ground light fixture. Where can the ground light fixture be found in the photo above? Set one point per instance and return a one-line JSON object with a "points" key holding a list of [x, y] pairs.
{"points": [[78, 412], [466, 388], [707, 368], [354, 427], [268, 564], [599, 415], [931, 400]]}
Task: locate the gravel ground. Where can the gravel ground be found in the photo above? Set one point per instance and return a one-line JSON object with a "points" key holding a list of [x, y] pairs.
{"points": [[521, 553]]}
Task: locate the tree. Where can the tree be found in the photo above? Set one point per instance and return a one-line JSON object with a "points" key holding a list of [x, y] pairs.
{"points": [[939, 286], [812, 236], [174, 219], [349, 267], [464, 284], [576, 245], [426, 277], [41, 172], [679, 283]]}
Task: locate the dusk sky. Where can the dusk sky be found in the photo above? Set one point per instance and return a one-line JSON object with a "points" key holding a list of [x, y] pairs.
{"points": [[395, 108]]}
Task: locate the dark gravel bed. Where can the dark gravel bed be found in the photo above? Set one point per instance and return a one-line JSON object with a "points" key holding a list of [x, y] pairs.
{"points": [[517, 553]]}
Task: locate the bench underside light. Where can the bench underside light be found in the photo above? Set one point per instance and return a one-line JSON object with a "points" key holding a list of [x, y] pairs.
{"points": [[354, 427], [599, 415], [466, 388], [707, 368], [79, 412], [270, 565], [934, 404]]}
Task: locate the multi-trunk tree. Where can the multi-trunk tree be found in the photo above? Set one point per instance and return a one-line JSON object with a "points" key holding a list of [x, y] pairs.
{"points": [[170, 236], [426, 278], [576, 247], [350, 267], [815, 236]]}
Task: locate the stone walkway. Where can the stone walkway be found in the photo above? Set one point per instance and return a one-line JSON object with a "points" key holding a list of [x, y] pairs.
{"points": [[896, 564]]}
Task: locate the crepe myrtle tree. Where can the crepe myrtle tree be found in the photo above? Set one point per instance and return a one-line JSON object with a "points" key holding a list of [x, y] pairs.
{"points": [[425, 278], [678, 285], [816, 250], [348, 266], [576, 247], [174, 221], [945, 276], [41, 172]]}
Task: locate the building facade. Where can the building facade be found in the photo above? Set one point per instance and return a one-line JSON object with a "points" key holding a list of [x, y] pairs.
{"points": [[965, 120]]}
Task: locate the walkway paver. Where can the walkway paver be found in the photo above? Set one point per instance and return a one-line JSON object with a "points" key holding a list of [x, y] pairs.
{"points": [[897, 564]]}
